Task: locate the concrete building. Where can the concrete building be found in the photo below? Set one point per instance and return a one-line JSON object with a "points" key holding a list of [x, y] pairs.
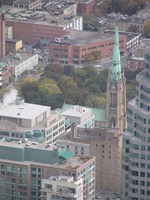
{"points": [[32, 26], [31, 5], [13, 45], [136, 140], [104, 141], [22, 170], [21, 62], [2, 35], [40, 125], [61, 187], [82, 116]]}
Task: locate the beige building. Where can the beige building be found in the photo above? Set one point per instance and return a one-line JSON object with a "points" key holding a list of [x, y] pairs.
{"points": [[37, 123], [13, 45], [105, 145], [105, 140], [61, 187]]}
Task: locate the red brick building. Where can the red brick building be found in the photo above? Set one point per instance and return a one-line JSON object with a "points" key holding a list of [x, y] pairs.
{"points": [[34, 32], [2, 35], [134, 63], [86, 6], [76, 45]]}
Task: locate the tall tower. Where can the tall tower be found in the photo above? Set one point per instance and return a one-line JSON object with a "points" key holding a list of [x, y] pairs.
{"points": [[136, 140], [116, 90]]}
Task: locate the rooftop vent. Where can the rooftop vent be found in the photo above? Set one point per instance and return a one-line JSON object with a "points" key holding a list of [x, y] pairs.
{"points": [[19, 101]]}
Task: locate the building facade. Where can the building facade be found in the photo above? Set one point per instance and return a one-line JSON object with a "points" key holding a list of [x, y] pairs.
{"points": [[136, 140], [61, 187], [31, 5], [21, 174], [44, 125], [86, 6], [75, 46]]}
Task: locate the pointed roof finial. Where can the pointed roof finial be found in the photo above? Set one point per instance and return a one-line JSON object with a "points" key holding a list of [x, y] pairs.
{"points": [[116, 64]]}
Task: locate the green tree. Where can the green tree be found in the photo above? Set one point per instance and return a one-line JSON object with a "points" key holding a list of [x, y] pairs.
{"points": [[96, 101]]}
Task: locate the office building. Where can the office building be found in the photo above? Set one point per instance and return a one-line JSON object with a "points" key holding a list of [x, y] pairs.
{"points": [[136, 140]]}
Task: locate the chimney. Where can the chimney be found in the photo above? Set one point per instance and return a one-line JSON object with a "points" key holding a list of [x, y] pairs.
{"points": [[73, 130]]}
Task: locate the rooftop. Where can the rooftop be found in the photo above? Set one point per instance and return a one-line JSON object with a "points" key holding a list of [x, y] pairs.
{"points": [[99, 113], [25, 2], [37, 17], [52, 157], [23, 111], [15, 59]]}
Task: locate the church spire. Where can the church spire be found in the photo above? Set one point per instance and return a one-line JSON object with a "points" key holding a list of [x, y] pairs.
{"points": [[116, 64]]}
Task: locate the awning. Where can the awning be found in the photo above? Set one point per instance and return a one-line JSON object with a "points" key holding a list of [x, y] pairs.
{"points": [[66, 155]]}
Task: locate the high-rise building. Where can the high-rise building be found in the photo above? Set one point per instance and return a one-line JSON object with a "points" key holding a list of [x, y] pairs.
{"points": [[136, 140]]}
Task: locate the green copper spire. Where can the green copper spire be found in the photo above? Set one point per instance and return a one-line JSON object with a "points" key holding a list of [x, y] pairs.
{"points": [[116, 64]]}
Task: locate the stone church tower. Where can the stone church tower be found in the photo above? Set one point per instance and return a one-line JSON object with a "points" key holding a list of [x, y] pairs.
{"points": [[116, 91]]}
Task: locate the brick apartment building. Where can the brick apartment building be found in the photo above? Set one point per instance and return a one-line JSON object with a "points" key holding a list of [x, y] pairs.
{"points": [[76, 45], [134, 63], [86, 6]]}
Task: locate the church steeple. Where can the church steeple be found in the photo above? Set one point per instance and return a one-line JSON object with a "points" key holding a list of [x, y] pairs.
{"points": [[116, 64], [116, 91]]}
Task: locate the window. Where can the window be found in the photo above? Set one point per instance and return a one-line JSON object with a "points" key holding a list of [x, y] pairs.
{"points": [[142, 174]]}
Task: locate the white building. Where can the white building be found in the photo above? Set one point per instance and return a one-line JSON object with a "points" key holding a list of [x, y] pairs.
{"points": [[82, 116], [61, 188], [23, 120]]}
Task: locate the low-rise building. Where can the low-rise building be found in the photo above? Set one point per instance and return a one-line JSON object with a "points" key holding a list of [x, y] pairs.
{"points": [[37, 123], [81, 115], [31, 5], [21, 62], [13, 45], [76, 45], [61, 187], [86, 6], [134, 63], [32, 26]]}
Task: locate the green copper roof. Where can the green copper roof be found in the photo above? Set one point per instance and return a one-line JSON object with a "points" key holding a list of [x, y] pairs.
{"points": [[116, 64], [66, 155]]}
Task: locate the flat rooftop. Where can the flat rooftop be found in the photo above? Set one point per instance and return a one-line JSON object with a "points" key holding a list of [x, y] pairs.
{"points": [[24, 2], [72, 162], [23, 111], [36, 17], [11, 60], [76, 111], [85, 37]]}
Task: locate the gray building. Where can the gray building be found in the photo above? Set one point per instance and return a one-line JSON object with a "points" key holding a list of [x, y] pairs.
{"points": [[136, 140]]}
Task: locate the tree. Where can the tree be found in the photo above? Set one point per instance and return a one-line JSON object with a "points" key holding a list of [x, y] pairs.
{"points": [[96, 101]]}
